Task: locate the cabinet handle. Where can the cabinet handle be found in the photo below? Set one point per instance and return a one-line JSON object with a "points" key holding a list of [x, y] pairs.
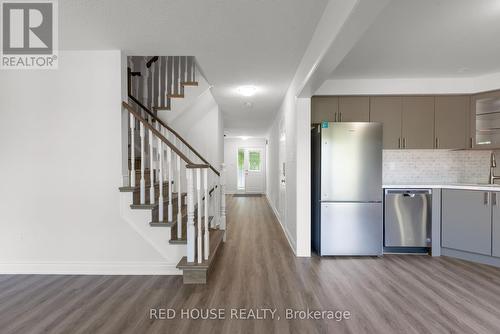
{"points": [[493, 198], [486, 198], [471, 142], [404, 142], [399, 142], [437, 142], [340, 116], [335, 117]]}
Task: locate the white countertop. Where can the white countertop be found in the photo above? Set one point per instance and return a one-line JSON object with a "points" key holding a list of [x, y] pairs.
{"points": [[464, 186]]}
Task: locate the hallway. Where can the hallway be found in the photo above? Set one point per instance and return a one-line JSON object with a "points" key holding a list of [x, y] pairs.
{"points": [[257, 269]]}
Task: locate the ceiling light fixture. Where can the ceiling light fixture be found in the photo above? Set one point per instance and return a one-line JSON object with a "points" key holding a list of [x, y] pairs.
{"points": [[247, 90]]}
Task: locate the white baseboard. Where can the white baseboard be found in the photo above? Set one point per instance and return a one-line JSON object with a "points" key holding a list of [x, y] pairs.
{"points": [[250, 192], [276, 214], [89, 268]]}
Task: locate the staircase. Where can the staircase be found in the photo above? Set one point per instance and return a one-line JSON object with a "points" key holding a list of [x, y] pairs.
{"points": [[177, 192]]}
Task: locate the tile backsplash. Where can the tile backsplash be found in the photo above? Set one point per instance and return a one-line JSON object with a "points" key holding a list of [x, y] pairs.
{"points": [[436, 166]]}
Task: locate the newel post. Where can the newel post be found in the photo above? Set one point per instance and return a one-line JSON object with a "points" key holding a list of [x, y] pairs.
{"points": [[223, 199], [190, 216]]}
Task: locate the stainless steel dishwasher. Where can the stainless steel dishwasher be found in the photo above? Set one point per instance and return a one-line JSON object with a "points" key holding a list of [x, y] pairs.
{"points": [[408, 214]]}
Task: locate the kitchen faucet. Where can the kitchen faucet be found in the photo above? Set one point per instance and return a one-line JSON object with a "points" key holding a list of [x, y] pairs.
{"points": [[493, 165]]}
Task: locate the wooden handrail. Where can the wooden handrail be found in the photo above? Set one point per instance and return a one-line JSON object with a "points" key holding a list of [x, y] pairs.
{"points": [[151, 61], [194, 166], [157, 133], [212, 190], [156, 118]]}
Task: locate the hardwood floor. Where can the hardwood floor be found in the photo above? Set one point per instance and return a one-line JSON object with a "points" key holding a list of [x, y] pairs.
{"points": [[257, 269]]}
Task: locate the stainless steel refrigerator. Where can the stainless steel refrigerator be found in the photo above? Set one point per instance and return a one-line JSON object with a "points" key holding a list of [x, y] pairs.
{"points": [[347, 208]]}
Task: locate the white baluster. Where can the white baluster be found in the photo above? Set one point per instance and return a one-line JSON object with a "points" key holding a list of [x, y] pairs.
{"points": [[179, 199], [215, 206], [143, 182], [132, 150], [190, 216], [167, 135], [151, 169], [205, 205], [160, 175], [223, 200], [169, 159], [198, 192], [194, 70]]}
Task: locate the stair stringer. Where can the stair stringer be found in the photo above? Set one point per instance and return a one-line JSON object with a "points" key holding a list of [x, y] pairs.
{"points": [[157, 237]]}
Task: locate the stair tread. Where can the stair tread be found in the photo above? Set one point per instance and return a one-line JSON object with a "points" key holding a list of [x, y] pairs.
{"points": [[138, 187], [189, 83], [216, 239]]}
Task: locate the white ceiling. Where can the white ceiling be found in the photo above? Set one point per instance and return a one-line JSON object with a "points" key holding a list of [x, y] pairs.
{"points": [[428, 38], [236, 42]]}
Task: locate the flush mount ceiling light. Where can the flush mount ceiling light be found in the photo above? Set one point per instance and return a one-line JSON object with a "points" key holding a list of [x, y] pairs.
{"points": [[247, 90]]}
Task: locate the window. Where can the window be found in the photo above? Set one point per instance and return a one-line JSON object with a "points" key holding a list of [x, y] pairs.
{"points": [[241, 167], [254, 161]]}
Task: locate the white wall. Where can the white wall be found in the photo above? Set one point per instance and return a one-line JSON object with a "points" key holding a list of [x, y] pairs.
{"points": [[201, 125], [231, 146], [60, 140], [273, 169], [342, 23]]}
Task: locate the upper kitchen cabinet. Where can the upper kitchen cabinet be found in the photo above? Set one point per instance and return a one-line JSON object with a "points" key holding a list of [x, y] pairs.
{"points": [[324, 108], [354, 109], [387, 110], [485, 120], [451, 122], [418, 122]]}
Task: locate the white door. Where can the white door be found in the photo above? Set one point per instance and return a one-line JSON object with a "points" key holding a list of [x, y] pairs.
{"points": [[282, 178], [250, 169]]}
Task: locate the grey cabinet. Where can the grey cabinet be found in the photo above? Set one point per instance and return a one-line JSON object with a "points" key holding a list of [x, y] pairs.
{"points": [[485, 120], [466, 220], [324, 108], [418, 122], [451, 121], [408, 121], [354, 109], [413, 122], [387, 110], [495, 227]]}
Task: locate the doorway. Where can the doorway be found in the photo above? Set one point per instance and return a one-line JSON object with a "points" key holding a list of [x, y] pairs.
{"points": [[250, 170], [282, 169]]}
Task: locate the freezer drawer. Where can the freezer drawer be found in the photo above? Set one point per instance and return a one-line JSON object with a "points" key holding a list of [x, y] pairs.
{"points": [[351, 228], [408, 217]]}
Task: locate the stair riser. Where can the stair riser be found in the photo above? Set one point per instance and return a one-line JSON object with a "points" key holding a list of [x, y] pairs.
{"points": [[137, 194]]}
